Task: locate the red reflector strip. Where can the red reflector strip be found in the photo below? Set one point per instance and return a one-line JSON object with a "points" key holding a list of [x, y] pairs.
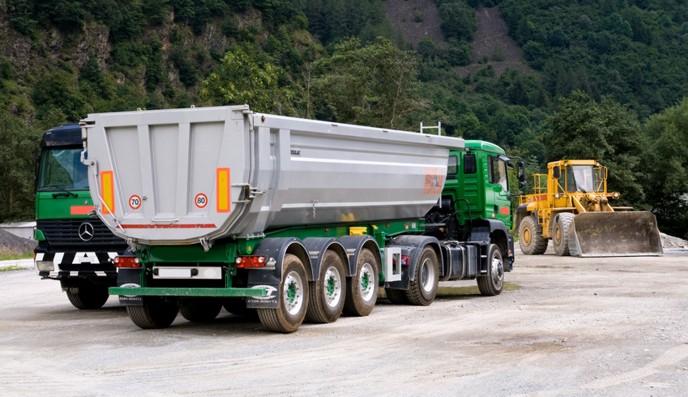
{"points": [[171, 226], [504, 210], [250, 262], [127, 262], [80, 209]]}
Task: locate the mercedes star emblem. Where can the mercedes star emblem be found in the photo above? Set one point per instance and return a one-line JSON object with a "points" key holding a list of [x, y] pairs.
{"points": [[86, 231]]}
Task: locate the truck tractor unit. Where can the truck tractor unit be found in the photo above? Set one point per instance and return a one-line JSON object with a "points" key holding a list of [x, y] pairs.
{"points": [[73, 247], [570, 205], [293, 219]]}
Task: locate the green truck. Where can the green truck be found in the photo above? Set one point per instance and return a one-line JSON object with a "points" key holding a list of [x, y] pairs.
{"points": [[74, 246], [299, 220]]}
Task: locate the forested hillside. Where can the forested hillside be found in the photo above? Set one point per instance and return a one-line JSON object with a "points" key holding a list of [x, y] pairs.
{"points": [[604, 79]]}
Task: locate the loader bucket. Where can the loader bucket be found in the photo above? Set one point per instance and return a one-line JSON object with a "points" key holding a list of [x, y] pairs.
{"points": [[631, 233]]}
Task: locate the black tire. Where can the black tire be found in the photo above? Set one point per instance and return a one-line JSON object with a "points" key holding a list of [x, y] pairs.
{"points": [[361, 289], [530, 238], [200, 310], [560, 233], [423, 289], [235, 306], [328, 292], [156, 312], [396, 296], [87, 296], [492, 283], [292, 298]]}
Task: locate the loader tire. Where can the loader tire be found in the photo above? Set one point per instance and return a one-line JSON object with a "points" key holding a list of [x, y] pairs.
{"points": [[560, 233], [530, 237], [572, 241]]}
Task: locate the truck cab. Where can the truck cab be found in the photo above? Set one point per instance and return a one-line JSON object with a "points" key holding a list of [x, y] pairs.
{"points": [[73, 246]]}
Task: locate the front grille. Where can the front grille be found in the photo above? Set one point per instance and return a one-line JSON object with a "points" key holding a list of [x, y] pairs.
{"points": [[65, 232]]}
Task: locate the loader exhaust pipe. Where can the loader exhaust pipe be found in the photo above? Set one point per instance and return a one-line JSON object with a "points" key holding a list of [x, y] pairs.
{"points": [[632, 233]]}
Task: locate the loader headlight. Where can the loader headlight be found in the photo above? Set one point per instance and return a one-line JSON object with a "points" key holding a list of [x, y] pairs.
{"points": [[616, 195], [556, 196]]}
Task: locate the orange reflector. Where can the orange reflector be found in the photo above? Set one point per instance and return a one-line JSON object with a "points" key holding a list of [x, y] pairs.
{"points": [[80, 209], [107, 191], [130, 262], [223, 190], [247, 262]]}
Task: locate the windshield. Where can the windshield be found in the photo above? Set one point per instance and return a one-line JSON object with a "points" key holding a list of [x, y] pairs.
{"points": [[583, 179], [61, 169]]}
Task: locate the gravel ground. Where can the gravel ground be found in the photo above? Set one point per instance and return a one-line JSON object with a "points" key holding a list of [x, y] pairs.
{"points": [[565, 327]]}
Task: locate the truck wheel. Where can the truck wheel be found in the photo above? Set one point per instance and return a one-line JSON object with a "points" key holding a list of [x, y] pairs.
{"points": [[328, 292], [361, 290], [200, 310], [423, 289], [529, 238], [87, 296], [560, 233], [492, 283], [155, 312], [292, 298]]}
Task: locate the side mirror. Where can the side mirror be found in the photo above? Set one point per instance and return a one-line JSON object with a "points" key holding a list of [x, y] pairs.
{"points": [[556, 172]]}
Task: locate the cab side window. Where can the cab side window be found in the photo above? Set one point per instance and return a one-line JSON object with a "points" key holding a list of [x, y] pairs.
{"points": [[469, 164], [498, 174], [453, 167]]}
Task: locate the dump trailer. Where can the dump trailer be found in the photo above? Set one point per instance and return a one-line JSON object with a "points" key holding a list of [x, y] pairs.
{"points": [[570, 205], [295, 219], [74, 246]]}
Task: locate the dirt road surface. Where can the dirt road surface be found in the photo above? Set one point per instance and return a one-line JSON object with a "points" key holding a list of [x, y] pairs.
{"points": [[566, 327]]}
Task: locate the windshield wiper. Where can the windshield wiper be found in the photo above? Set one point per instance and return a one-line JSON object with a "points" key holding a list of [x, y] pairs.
{"points": [[64, 193]]}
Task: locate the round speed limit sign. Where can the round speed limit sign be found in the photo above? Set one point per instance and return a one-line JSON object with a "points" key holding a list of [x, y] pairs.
{"points": [[201, 200], [135, 202]]}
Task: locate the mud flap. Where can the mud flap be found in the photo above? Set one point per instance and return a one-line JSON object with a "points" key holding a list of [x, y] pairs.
{"points": [[632, 233]]}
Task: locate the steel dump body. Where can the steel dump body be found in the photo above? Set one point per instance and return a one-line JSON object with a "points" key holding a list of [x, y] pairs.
{"points": [[187, 176]]}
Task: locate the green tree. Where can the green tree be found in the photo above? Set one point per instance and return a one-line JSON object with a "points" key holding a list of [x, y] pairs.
{"points": [[582, 128], [376, 85], [666, 168], [243, 77], [17, 153]]}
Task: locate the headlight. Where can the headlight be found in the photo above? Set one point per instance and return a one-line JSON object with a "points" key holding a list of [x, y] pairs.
{"points": [[45, 266]]}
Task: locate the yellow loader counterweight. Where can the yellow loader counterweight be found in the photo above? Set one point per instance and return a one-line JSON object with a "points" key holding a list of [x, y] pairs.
{"points": [[570, 206]]}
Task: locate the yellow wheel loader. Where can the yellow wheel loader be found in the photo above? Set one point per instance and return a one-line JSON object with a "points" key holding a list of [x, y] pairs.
{"points": [[570, 206]]}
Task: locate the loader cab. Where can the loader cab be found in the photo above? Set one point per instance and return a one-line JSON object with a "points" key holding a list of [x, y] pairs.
{"points": [[589, 177]]}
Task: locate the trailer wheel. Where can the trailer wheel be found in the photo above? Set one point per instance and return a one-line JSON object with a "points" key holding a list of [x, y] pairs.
{"points": [[361, 290], [560, 233], [492, 283], [292, 298], [423, 289], [155, 312], [529, 238], [87, 296], [200, 310], [328, 292]]}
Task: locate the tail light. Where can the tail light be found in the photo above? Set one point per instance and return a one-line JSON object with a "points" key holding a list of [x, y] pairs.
{"points": [[250, 262], [405, 260], [129, 262]]}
